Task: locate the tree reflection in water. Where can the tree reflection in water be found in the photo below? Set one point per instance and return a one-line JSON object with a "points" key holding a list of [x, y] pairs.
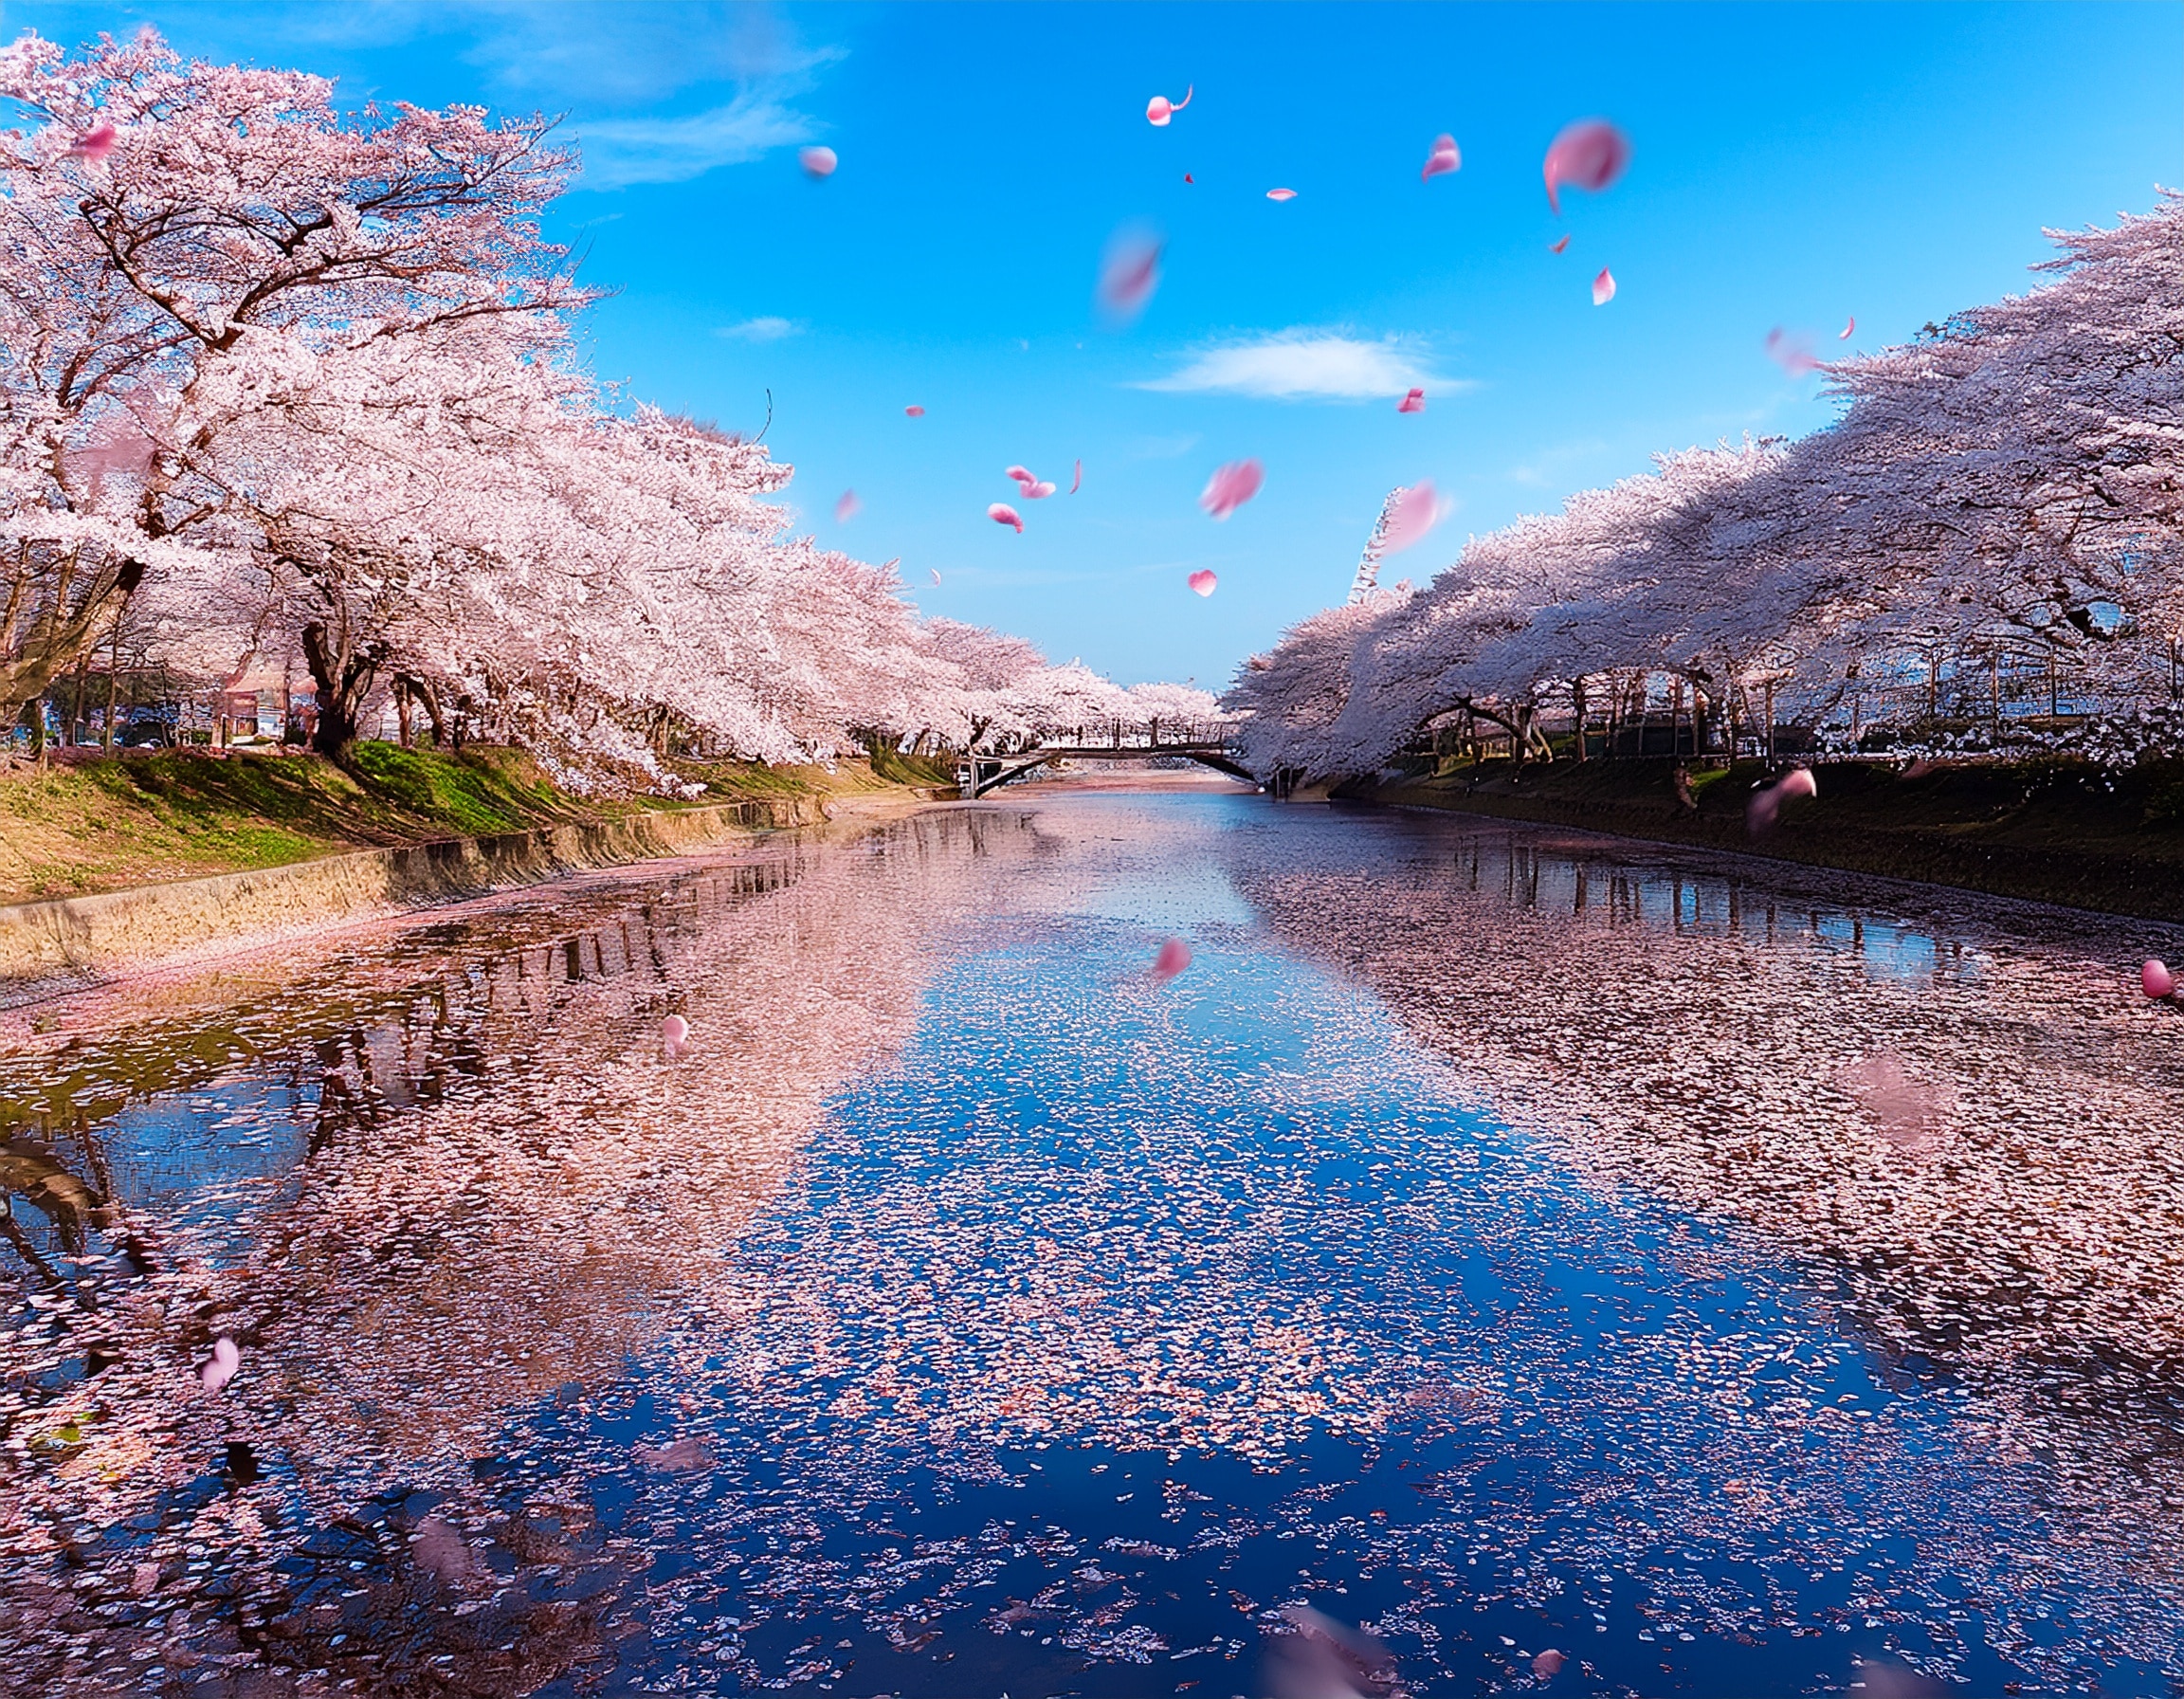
{"points": [[1036, 1342]]}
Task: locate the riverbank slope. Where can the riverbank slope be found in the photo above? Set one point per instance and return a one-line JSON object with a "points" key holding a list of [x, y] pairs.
{"points": [[85, 826], [2047, 831]]}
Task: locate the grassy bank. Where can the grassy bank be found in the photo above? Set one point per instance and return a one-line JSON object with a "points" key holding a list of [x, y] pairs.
{"points": [[110, 823], [2050, 832]]}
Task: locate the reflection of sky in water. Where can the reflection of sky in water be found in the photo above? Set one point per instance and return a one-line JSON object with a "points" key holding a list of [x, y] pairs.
{"points": [[1112, 1317], [168, 1148], [961, 1439]]}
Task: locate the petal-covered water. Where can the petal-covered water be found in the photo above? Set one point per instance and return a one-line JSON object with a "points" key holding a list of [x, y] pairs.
{"points": [[1586, 1269]]}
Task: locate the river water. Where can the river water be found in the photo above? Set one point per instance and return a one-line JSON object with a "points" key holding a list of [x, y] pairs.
{"points": [[1579, 1266]]}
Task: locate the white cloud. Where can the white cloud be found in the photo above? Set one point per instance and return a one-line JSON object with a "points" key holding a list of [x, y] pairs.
{"points": [[769, 328], [619, 152], [1305, 365]]}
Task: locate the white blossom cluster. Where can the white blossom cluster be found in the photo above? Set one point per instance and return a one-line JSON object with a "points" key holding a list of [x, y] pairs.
{"points": [[1998, 502]]}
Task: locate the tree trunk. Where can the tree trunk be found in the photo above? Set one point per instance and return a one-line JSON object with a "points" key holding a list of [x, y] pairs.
{"points": [[62, 643], [343, 676], [1577, 700]]}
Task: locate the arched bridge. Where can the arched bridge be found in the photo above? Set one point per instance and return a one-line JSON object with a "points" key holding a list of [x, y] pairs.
{"points": [[1210, 745]]}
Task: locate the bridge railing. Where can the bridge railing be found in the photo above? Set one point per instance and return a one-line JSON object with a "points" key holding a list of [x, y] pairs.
{"points": [[1116, 735]]}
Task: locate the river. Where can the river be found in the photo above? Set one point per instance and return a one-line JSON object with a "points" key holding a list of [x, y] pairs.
{"points": [[1563, 1264]]}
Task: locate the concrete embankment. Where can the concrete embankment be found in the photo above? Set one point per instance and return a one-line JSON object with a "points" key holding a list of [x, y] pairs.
{"points": [[66, 943], [2050, 832]]}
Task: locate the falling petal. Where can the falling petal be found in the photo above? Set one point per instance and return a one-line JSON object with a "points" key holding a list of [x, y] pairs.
{"points": [[2157, 980], [1844, 335], [1159, 109], [1412, 403], [1604, 287], [1002, 514], [1076, 482], [1281, 194], [1038, 491], [1188, 178], [1416, 511], [94, 145], [845, 507], [1019, 475], [221, 1369], [817, 163], [1558, 245], [1793, 353], [1799, 781], [1203, 582], [675, 1030], [1231, 486], [914, 411], [1445, 158], [935, 572], [1174, 958], [1590, 153], [684, 1455], [1129, 275]]}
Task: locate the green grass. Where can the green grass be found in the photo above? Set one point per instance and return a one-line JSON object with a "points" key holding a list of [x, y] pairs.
{"points": [[110, 822]]}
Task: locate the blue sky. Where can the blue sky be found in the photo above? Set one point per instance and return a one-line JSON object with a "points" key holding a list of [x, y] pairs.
{"points": [[1792, 166]]}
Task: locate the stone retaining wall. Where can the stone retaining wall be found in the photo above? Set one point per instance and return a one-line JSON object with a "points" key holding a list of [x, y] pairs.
{"points": [[66, 942]]}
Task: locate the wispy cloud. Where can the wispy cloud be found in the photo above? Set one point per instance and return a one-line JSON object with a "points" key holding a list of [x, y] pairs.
{"points": [[1305, 365], [768, 328], [622, 151]]}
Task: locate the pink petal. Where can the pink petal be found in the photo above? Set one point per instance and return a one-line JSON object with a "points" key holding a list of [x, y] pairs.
{"points": [[1174, 958], [1231, 486], [1798, 781], [1157, 111], [914, 412], [1412, 403], [2157, 980], [675, 1030], [94, 145], [1281, 194], [1794, 354], [1604, 287], [1556, 247], [1202, 582], [1076, 482], [1591, 154], [1002, 514], [1189, 90], [935, 572], [1129, 275], [1844, 335], [845, 508], [1548, 1663], [1445, 158], [1019, 475], [1038, 491], [1416, 512], [1188, 178], [226, 1359], [817, 163]]}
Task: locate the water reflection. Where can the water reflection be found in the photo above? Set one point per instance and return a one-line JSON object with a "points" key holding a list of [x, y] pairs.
{"points": [[1492, 1239]]}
